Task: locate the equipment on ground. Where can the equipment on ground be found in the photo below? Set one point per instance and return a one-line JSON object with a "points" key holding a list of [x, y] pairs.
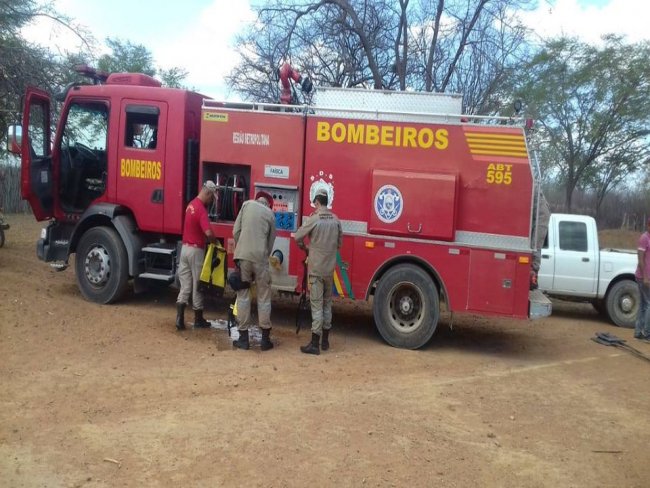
{"points": [[607, 339]]}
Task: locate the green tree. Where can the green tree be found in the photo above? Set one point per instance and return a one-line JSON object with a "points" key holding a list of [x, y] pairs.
{"points": [[22, 63], [173, 77], [128, 57], [592, 106]]}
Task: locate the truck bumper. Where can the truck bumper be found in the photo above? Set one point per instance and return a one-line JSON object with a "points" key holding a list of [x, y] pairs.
{"points": [[539, 305], [41, 249], [54, 243]]}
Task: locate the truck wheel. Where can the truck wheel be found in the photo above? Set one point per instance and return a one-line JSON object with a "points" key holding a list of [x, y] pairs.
{"points": [[622, 303], [2, 237], [101, 265], [406, 307]]}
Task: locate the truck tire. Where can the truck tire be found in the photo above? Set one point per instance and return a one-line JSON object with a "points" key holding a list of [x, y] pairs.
{"points": [[2, 237], [101, 265], [622, 303], [406, 307]]}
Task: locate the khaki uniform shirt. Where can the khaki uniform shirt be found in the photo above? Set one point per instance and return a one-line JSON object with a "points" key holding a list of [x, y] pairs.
{"points": [[254, 232], [325, 236]]}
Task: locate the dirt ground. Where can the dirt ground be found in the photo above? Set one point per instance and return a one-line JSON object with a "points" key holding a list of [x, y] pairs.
{"points": [[113, 396]]}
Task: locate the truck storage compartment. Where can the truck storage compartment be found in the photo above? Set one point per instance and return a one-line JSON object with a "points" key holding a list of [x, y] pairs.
{"points": [[492, 281], [420, 205], [232, 182]]}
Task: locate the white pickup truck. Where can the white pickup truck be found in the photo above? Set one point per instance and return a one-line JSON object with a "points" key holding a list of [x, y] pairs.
{"points": [[573, 267]]}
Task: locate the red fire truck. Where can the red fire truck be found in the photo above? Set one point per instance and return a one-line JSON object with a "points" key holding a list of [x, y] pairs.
{"points": [[435, 207]]}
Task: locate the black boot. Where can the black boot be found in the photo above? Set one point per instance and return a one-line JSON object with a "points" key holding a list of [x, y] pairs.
{"points": [[180, 316], [312, 347], [199, 321], [242, 342], [325, 342], [266, 341]]}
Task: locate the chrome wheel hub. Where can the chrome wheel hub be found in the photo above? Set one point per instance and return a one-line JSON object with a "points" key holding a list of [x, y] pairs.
{"points": [[405, 304], [627, 303], [97, 265]]}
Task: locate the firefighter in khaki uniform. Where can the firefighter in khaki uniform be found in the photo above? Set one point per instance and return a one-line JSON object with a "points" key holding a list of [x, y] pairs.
{"points": [[324, 231], [254, 234]]}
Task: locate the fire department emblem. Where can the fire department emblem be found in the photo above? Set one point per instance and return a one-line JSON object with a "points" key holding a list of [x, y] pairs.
{"points": [[388, 204]]}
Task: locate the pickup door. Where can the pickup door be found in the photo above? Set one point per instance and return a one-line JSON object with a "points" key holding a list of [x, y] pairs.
{"points": [[570, 256]]}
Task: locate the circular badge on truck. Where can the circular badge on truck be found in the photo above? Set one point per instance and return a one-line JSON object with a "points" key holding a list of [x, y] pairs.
{"points": [[388, 204]]}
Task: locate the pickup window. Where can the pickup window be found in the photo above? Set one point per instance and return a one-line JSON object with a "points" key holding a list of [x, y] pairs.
{"points": [[573, 236]]}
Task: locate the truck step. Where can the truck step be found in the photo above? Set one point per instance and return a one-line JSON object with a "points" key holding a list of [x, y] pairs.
{"points": [[160, 249], [59, 265], [155, 276], [540, 305]]}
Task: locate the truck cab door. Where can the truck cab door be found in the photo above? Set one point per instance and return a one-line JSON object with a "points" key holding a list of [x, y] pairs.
{"points": [[141, 145], [575, 258], [36, 172]]}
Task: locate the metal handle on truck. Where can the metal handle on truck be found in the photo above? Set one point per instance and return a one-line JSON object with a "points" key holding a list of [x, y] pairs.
{"points": [[419, 229]]}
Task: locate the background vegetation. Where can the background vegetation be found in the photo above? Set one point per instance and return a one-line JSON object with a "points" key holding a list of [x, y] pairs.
{"points": [[590, 103]]}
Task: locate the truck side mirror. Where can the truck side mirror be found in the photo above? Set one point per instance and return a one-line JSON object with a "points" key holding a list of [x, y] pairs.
{"points": [[14, 139]]}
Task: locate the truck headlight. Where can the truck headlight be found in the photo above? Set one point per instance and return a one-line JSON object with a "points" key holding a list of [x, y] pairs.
{"points": [[43, 233]]}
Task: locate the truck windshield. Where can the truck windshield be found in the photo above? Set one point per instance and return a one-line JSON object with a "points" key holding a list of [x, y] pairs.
{"points": [[83, 155]]}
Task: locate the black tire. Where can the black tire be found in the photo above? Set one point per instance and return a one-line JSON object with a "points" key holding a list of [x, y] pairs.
{"points": [[101, 265], [599, 306], [622, 303], [406, 307], [2, 237]]}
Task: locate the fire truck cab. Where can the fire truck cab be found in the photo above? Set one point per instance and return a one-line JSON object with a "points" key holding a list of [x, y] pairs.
{"points": [[434, 208], [119, 172]]}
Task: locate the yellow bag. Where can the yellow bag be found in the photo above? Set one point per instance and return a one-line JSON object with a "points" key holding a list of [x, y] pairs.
{"points": [[213, 273]]}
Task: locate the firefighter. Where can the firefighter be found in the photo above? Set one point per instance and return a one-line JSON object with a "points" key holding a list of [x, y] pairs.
{"points": [[196, 230], [254, 234], [324, 231]]}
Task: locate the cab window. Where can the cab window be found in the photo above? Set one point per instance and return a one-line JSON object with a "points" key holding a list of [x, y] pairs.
{"points": [[573, 236], [141, 128]]}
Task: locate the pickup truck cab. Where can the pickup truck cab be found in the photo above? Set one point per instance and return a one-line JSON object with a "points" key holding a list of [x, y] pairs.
{"points": [[573, 267]]}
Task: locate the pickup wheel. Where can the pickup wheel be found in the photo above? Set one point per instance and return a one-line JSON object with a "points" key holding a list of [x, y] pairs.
{"points": [[622, 303], [406, 307], [101, 265]]}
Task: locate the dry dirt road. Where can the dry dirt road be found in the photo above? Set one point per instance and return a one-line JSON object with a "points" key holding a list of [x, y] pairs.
{"points": [[103, 396]]}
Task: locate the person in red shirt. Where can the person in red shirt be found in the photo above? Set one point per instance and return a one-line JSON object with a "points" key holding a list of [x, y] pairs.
{"points": [[196, 231], [642, 275]]}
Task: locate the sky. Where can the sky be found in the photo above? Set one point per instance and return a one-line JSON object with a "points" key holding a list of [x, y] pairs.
{"points": [[198, 35]]}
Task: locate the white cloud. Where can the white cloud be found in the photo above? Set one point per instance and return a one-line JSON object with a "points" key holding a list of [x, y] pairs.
{"points": [[205, 50], [202, 46], [590, 22], [56, 36]]}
